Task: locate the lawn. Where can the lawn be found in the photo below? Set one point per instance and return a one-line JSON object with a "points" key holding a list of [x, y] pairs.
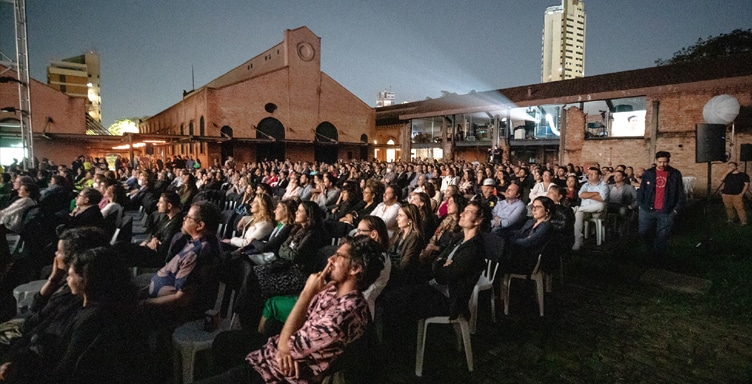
{"points": [[603, 325]]}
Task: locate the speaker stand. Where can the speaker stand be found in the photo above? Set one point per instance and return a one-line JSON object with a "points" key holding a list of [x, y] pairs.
{"points": [[707, 240]]}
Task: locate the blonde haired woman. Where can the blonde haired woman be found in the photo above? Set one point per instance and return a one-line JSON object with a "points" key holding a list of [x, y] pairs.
{"points": [[260, 224]]}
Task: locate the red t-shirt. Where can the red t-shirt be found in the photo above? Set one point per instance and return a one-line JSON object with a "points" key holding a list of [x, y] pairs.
{"points": [[660, 188]]}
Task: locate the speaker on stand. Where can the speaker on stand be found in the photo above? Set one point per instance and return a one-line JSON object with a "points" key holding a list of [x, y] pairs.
{"points": [[745, 154], [718, 112]]}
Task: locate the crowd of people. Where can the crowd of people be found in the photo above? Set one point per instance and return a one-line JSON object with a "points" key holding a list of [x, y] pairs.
{"points": [[313, 251]]}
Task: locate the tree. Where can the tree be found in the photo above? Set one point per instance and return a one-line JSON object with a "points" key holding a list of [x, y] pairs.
{"points": [[119, 127], [725, 44]]}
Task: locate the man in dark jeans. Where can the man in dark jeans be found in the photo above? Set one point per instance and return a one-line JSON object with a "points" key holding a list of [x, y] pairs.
{"points": [[660, 197]]}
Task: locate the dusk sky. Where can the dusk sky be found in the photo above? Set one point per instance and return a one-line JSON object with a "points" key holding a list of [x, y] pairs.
{"points": [[414, 48]]}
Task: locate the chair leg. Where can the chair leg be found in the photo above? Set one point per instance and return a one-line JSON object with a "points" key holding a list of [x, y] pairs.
{"points": [[474, 310], [468, 346], [493, 306], [539, 291], [421, 345], [505, 283], [176, 372], [188, 358], [600, 233], [458, 335]]}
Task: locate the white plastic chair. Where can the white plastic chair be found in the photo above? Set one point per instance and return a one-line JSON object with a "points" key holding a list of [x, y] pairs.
{"points": [[25, 292], [485, 282], [190, 338], [600, 229], [538, 276], [461, 328], [115, 235]]}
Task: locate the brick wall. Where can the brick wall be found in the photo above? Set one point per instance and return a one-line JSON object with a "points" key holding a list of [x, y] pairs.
{"points": [[678, 110]]}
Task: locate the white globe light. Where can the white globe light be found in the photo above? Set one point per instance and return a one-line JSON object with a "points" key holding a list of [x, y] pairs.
{"points": [[721, 109]]}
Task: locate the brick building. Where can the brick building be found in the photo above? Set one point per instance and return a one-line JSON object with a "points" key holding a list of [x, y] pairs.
{"points": [[276, 105], [59, 124], [582, 121]]}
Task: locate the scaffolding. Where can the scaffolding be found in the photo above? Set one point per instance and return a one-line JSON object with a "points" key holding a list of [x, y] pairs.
{"points": [[21, 67]]}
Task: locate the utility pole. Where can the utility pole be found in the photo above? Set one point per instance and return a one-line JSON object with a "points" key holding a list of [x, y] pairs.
{"points": [[21, 66]]}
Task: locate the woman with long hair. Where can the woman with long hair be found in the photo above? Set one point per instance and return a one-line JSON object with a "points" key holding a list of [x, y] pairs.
{"points": [[188, 190], [260, 224], [447, 231], [428, 219], [468, 182], [572, 191], [348, 199], [405, 246], [287, 274]]}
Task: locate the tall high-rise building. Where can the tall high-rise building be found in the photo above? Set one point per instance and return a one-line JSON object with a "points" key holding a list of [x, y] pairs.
{"points": [[563, 53], [384, 98], [79, 77]]}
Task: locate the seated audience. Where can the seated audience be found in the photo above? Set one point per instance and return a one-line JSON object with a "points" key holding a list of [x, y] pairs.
{"points": [[387, 210], [455, 272], [593, 197], [622, 196], [524, 245], [286, 273], [447, 230], [82, 347], [152, 252], [405, 246], [330, 314], [258, 226], [186, 286], [428, 219], [86, 213], [509, 214]]}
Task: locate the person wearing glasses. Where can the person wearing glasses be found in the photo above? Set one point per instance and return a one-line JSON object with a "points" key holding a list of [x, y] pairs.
{"points": [[278, 308], [330, 315], [525, 244], [86, 213], [186, 286]]}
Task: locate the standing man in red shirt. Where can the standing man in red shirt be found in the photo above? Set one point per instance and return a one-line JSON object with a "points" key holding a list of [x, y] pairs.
{"points": [[660, 197]]}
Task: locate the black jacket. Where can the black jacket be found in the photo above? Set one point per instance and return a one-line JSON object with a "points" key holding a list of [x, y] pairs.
{"points": [[674, 198], [461, 275]]}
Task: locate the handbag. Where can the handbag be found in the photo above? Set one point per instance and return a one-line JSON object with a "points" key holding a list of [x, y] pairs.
{"points": [[279, 278]]}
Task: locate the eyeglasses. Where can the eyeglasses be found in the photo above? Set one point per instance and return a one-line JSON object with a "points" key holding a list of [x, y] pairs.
{"points": [[537, 207], [342, 255], [195, 220], [362, 231]]}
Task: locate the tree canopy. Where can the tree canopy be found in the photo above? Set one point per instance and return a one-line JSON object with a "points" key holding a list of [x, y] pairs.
{"points": [[725, 44], [122, 126]]}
